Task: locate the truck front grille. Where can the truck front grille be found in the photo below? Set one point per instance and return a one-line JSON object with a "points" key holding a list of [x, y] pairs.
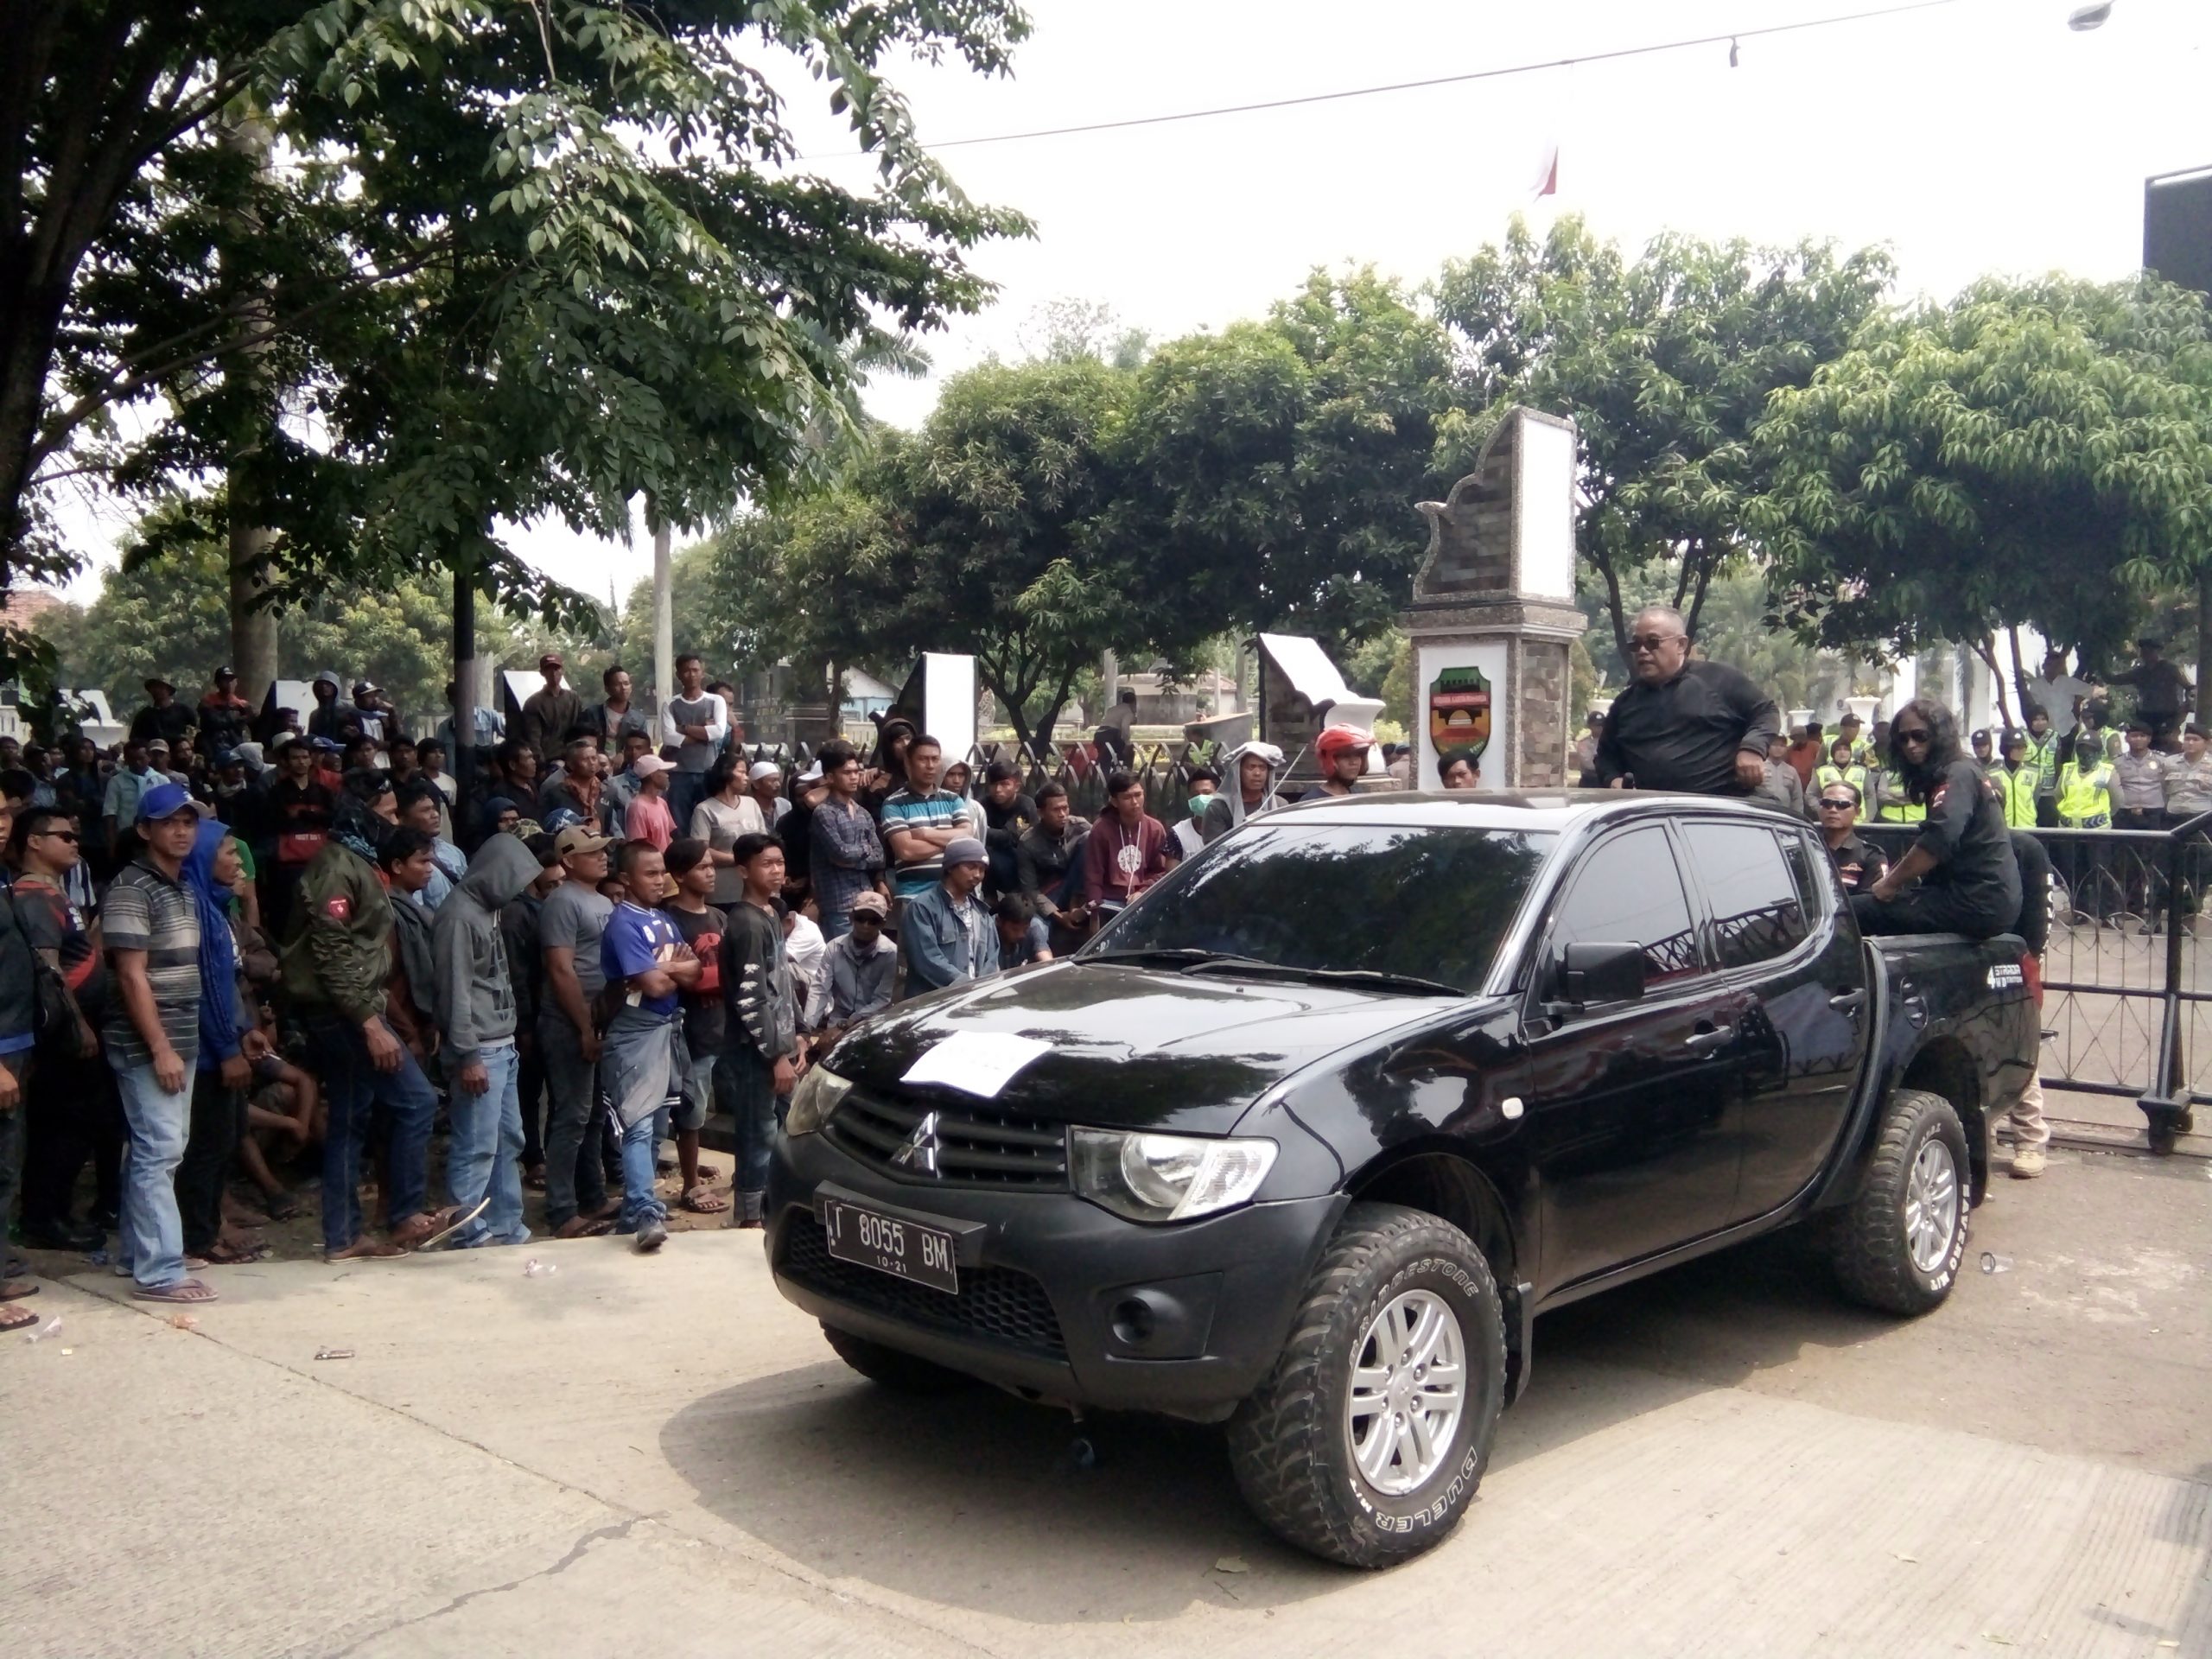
{"points": [[975, 1146]]}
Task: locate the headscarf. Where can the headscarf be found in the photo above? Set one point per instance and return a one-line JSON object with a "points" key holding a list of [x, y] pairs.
{"points": [[219, 1035], [354, 826], [1233, 778]]}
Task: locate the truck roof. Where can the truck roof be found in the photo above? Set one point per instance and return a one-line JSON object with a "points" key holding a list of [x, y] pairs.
{"points": [[1553, 810]]}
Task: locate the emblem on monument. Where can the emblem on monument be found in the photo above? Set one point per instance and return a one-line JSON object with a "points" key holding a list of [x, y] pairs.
{"points": [[1458, 712]]}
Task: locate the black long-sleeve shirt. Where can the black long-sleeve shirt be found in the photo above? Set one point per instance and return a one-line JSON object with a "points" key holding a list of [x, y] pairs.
{"points": [[1972, 848], [1687, 733]]}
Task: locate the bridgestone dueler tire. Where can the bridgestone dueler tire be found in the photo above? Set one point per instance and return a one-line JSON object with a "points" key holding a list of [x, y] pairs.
{"points": [[906, 1373], [1289, 1443], [1866, 1239]]}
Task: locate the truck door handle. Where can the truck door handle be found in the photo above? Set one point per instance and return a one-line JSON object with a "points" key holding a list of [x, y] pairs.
{"points": [[1702, 1042], [1849, 1001]]}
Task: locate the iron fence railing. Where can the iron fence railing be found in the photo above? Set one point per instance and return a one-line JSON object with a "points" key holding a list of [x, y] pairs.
{"points": [[2127, 973]]}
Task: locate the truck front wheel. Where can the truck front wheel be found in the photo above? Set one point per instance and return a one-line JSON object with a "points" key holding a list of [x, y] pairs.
{"points": [[1896, 1246], [1367, 1441]]}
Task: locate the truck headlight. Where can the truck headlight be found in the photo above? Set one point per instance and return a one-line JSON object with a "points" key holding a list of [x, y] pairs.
{"points": [[819, 1093], [1167, 1177]]}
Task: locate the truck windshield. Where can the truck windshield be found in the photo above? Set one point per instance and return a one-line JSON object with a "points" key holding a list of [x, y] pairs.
{"points": [[1387, 900]]}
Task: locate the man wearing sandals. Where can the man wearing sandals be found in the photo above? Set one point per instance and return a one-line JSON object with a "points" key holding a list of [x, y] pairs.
{"points": [[151, 923]]}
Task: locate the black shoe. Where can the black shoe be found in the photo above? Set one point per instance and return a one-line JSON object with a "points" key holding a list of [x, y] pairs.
{"points": [[106, 1220], [68, 1235]]}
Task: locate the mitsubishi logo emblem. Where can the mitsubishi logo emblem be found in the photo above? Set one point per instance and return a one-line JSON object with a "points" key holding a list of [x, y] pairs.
{"points": [[919, 1154]]}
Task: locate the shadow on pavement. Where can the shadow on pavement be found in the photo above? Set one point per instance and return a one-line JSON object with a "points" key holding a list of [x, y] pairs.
{"points": [[976, 1499]]}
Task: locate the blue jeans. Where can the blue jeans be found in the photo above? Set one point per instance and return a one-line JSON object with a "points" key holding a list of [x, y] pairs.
{"points": [[640, 1204], [355, 1089], [754, 1104], [153, 1227], [485, 1152]]}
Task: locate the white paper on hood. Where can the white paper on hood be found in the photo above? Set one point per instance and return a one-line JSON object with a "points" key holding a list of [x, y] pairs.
{"points": [[979, 1063]]}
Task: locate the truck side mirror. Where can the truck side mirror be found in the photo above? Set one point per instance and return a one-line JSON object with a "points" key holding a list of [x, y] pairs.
{"points": [[1601, 973]]}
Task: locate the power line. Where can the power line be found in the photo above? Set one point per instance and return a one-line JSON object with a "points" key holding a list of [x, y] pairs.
{"points": [[1730, 36]]}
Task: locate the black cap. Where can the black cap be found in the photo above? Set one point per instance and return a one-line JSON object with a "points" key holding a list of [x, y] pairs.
{"points": [[2151, 640], [226, 673]]}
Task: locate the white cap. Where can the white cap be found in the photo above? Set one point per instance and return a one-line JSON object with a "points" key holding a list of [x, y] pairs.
{"points": [[765, 769]]}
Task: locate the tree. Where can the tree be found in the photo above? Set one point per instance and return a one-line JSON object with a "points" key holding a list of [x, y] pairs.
{"points": [[1666, 364], [518, 260], [977, 534], [174, 621], [2034, 454], [732, 598], [1267, 475]]}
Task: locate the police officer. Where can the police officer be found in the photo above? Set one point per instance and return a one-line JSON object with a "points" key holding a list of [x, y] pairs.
{"points": [[2019, 783]]}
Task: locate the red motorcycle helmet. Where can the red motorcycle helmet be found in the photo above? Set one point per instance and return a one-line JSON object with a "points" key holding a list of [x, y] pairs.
{"points": [[1336, 740]]}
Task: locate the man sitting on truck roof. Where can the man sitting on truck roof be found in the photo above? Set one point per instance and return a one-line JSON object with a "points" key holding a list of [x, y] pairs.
{"points": [[1961, 876]]}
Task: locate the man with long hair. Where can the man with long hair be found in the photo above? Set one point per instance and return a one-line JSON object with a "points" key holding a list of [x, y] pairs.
{"points": [[1961, 876]]}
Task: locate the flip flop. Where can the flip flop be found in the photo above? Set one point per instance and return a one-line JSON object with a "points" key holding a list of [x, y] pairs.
{"points": [[16, 1318], [700, 1202], [184, 1290], [16, 1290], [584, 1227], [366, 1249]]}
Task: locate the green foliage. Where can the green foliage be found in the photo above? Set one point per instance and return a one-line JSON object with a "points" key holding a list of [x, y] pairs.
{"points": [[1267, 475], [173, 619], [513, 260], [1666, 363], [732, 601], [2037, 454], [975, 534]]}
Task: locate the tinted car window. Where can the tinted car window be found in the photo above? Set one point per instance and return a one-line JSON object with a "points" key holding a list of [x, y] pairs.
{"points": [[1430, 903], [1813, 878], [1628, 891], [1758, 911]]}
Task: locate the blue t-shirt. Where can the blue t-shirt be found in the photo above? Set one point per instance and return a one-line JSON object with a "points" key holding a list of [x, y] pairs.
{"points": [[636, 941]]}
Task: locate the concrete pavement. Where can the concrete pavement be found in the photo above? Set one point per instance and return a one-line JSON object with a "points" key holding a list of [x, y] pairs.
{"points": [[658, 1456]]}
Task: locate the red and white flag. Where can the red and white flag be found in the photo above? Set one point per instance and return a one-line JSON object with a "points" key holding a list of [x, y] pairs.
{"points": [[1547, 175]]}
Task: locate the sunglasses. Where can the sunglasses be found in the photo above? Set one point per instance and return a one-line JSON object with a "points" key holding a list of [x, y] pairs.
{"points": [[1650, 643], [1910, 737], [1837, 806]]}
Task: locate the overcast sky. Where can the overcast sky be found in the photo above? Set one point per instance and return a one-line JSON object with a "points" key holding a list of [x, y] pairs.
{"points": [[1978, 137]]}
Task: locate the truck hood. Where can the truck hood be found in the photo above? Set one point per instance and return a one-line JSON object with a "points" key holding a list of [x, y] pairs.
{"points": [[1133, 1046]]}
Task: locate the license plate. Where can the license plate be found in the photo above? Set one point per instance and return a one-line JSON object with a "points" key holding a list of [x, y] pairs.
{"points": [[904, 1250]]}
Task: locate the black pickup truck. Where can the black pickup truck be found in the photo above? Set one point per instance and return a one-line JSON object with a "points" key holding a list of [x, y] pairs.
{"points": [[1308, 1139]]}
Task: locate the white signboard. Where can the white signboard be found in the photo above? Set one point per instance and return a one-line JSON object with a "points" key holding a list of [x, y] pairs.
{"points": [[1462, 704], [1543, 486], [949, 703]]}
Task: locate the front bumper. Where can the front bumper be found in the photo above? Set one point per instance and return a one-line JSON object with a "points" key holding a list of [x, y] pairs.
{"points": [[1058, 1300]]}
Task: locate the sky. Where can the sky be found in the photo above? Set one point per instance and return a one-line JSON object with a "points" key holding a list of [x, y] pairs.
{"points": [[1978, 136]]}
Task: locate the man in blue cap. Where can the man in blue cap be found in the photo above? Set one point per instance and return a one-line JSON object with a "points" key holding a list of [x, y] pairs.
{"points": [[151, 923]]}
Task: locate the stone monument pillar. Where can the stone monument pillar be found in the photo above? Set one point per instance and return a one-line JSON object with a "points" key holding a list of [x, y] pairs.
{"points": [[1494, 614]]}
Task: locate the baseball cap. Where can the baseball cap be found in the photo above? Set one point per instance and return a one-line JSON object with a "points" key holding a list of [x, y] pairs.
{"points": [[227, 672], [871, 903], [551, 659], [365, 688], [580, 838], [765, 769], [154, 743], [165, 801], [650, 766], [228, 757], [812, 774], [966, 850], [158, 681]]}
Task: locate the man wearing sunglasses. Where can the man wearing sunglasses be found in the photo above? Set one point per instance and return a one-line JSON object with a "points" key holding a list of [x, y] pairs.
{"points": [[1695, 725], [1858, 861], [1961, 876]]}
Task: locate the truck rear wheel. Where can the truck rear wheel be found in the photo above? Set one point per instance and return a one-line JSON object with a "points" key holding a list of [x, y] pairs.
{"points": [[1896, 1246], [906, 1373], [1367, 1441]]}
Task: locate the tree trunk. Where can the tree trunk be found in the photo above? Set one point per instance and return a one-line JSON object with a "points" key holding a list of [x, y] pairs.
{"points": [[1986, 650], [253, 627], [1613, 607], [2019, 672], [2203, 636], [1697, 600]]}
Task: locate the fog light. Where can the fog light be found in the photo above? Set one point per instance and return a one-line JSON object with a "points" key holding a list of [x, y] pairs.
{"points": [[1132, 1321]]}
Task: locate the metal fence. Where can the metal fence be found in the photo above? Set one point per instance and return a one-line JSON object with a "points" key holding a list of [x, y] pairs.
{"points": [[2127, 975]]}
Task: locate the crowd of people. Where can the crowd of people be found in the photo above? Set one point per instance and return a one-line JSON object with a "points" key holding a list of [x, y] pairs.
{"points": [[238, 950], [242, 951]]}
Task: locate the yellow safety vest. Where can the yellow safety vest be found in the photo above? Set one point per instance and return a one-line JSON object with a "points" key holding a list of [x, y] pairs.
{"points": [[2018, 790], [2043, 755], [1855, 776], [1895, 808], [2085, 800]]}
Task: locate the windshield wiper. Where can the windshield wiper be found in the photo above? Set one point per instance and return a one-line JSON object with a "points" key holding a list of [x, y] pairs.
{"points": [[1379, 978], [1190, 953]]}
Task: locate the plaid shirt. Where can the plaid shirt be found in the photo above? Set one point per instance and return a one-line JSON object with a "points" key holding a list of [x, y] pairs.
{"points": [[848, 854]]}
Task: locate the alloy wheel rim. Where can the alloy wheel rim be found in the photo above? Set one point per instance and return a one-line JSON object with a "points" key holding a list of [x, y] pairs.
{"points": [[1931, 1206], [1408, 1392]]}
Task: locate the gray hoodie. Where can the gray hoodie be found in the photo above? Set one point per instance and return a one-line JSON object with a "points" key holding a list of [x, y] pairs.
{"points": [[475, 997]]}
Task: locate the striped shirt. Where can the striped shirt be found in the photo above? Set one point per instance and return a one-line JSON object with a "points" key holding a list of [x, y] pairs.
{"points": [[906, 809], [146, 910]]}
